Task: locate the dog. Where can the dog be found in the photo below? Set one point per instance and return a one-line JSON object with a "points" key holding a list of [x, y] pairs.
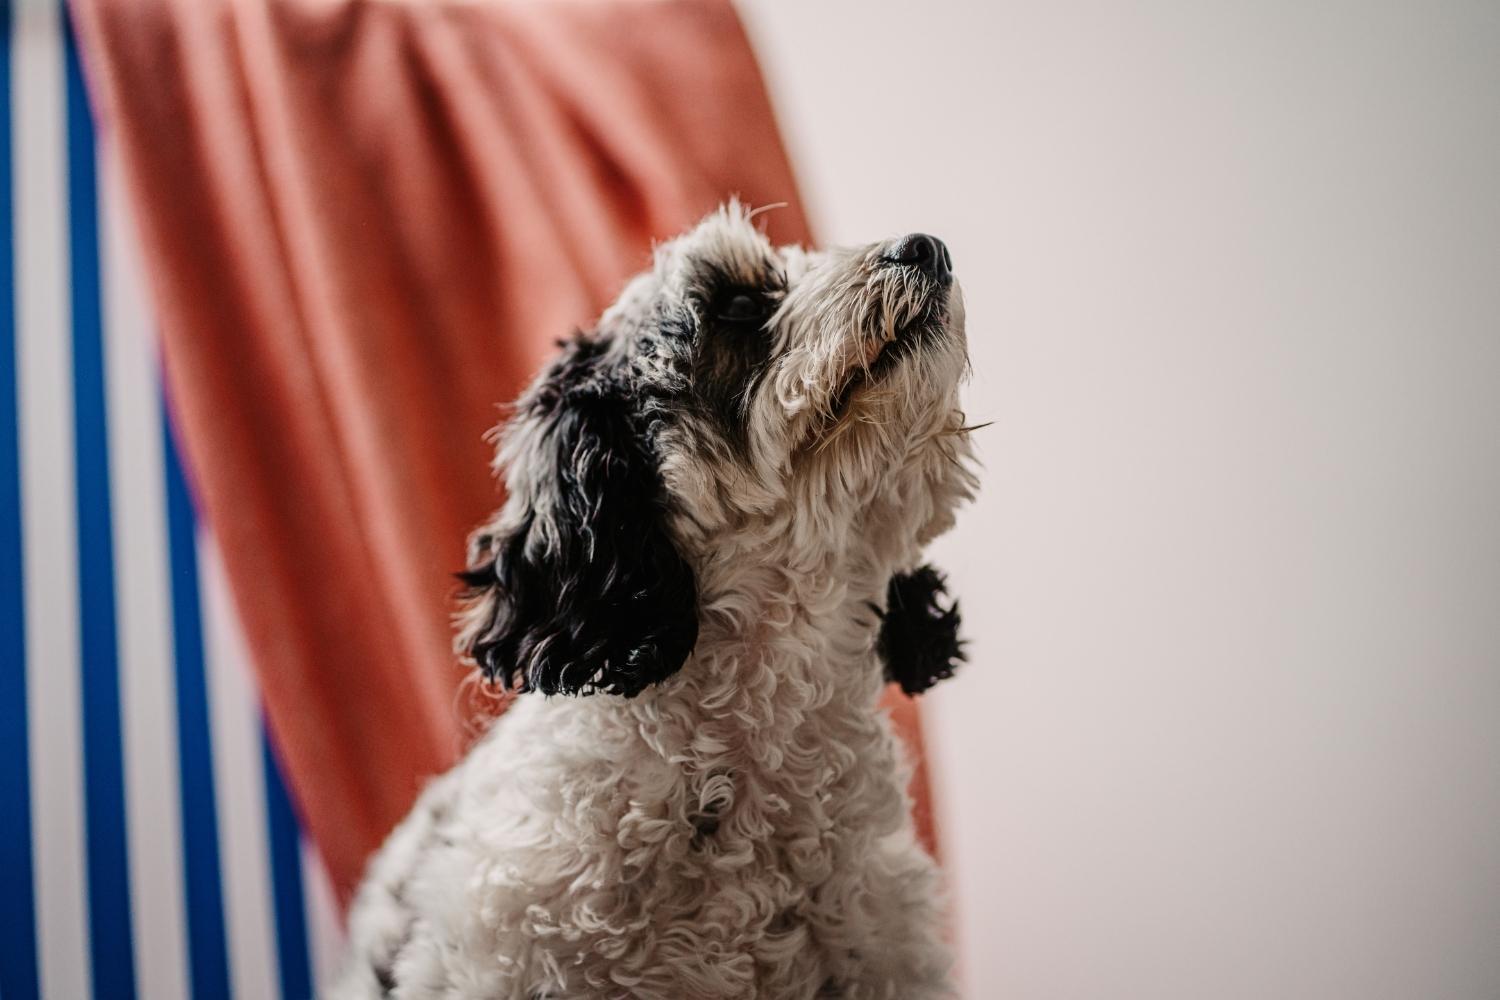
{"points": [[707, 568]]}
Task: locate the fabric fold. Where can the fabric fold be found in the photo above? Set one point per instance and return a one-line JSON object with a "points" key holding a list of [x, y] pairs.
{"points": [[365, 225]]}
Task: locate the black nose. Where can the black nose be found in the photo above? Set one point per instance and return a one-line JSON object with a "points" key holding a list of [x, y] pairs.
{"points": [[925, 253]]}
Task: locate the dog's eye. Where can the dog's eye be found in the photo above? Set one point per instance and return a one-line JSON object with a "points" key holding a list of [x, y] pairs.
{"points": [[743, 308]]}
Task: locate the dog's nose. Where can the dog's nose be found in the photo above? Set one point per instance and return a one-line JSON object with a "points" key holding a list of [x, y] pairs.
{"points": [[926, 253]]}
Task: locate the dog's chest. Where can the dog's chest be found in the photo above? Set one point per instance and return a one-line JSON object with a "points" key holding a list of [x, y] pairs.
{"points": [[725, 878]]}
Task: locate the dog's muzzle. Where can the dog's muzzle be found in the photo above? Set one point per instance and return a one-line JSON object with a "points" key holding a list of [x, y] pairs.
{"points": [[925, 320]]}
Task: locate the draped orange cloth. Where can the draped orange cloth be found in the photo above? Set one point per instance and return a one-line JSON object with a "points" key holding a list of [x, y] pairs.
{"points": [[365, 224]]}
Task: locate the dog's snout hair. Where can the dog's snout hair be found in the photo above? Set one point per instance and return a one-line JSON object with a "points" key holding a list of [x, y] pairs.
{"points": [[716, 505]]}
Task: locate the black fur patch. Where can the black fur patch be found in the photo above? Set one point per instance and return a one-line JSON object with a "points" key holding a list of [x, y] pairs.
{"points": [[385, 978], [589, 594], [919, 639], [723, 345], [730, 356]]}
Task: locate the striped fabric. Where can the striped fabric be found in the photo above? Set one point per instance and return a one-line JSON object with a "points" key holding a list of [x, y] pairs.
{"points": [[147, 844]]}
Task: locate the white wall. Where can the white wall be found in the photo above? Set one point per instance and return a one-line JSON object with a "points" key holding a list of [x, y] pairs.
{"points": [[1232, 728]]}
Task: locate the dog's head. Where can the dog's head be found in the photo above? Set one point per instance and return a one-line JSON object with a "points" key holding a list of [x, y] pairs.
{"points": [[738, 397]]}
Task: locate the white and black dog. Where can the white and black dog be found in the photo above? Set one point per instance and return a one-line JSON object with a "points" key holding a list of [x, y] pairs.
{"points": [[717, 504]]}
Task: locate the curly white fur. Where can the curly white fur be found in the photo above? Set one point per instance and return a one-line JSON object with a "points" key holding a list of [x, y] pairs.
{"points": [[741, 828]]}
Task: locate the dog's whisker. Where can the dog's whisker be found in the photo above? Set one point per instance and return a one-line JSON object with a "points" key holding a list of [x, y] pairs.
{"points": [[756, 213]]}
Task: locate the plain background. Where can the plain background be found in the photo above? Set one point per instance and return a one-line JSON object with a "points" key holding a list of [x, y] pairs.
{"points": [[1232, 724]]}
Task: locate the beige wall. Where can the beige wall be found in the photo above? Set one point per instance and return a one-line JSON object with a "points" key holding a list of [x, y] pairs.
{"points": [[1232, 728]]}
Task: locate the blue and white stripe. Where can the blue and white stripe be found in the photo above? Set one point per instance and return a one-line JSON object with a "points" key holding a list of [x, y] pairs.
{"points": [[147, 845]]}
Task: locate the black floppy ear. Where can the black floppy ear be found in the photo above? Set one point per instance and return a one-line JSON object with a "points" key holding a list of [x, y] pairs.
{"points": [[577, 587], [919, 639]]}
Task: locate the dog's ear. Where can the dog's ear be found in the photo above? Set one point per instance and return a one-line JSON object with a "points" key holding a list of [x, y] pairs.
{"points": [[577, 586], [919, 639]]}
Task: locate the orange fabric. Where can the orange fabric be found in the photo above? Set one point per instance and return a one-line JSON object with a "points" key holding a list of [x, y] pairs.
{"points": [[365, 225]]}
